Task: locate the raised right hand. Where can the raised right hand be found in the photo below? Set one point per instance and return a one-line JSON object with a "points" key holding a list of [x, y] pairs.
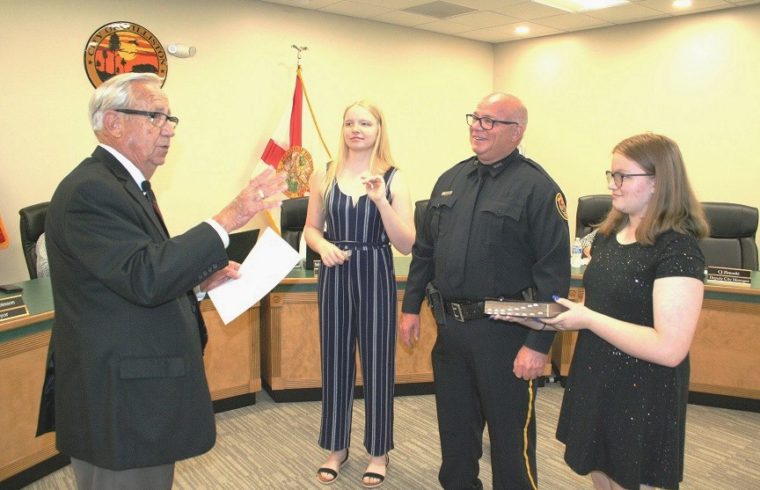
{"points": [[262, 192]]}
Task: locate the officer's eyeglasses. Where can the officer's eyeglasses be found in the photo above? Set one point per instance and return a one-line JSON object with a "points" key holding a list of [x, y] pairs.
{"points": [[618, 177], [486, 123], [158, 119]]}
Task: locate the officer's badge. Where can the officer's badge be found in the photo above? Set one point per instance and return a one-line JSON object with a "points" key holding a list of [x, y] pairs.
{"points": [[559, 201]]}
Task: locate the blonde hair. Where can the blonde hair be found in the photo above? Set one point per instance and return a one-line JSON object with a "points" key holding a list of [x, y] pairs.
{"points": [[673, 205], [381, 159]]}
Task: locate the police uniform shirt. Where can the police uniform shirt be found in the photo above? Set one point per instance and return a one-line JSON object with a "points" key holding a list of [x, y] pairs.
{"points": [[492, 231]]}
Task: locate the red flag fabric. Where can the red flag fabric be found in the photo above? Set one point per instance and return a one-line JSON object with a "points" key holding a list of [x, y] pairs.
{"points": [[4, 240], [289, 130]]}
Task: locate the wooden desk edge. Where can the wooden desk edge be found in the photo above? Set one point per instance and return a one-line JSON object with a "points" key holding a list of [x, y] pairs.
{"points": [[24, 321]]}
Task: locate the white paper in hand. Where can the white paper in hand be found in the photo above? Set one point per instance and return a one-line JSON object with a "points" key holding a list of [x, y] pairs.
{"points": [[267, 264]]}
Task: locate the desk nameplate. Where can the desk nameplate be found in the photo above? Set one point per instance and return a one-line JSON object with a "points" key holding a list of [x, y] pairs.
{"points": [[12, 307], [728, 276]]}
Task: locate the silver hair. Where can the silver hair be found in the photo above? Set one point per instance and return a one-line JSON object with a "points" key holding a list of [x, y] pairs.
{"points": [[114, 93]]}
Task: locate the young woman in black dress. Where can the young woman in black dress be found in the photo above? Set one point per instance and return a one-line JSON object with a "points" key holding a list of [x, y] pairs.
{"points": [[623, 414]]}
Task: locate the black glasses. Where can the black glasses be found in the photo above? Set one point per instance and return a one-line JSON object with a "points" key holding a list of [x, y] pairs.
{"points": [[158, 119], [619, 177], [486, 123]]}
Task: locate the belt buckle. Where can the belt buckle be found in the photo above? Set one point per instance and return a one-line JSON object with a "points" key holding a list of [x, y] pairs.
{"points": [[456, 312]]}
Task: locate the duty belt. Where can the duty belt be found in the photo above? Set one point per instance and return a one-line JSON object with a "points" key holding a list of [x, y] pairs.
{"points": [[464, 311]]}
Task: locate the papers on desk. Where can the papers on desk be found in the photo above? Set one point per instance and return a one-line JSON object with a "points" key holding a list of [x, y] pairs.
{"points": [[266, 265]]}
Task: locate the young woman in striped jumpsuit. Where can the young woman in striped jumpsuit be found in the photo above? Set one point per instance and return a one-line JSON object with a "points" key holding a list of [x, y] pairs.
{"points": [[365, 204]]}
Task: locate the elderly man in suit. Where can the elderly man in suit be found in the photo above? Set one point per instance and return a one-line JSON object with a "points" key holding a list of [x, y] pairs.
{"points": [[131, 396]]}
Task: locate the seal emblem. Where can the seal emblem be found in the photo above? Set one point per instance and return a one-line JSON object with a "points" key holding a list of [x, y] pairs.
{"points": [[298, 165], [559, 201], [123, 47]]}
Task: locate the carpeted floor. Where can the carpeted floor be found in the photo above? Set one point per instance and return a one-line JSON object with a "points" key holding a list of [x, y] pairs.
{"points": [[273, 446]]}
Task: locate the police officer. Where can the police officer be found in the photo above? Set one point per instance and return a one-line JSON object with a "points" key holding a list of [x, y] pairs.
{"points": [[495, 227]]}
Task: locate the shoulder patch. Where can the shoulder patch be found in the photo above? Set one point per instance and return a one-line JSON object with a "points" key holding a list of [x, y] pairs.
{"points": [[559, 201]]}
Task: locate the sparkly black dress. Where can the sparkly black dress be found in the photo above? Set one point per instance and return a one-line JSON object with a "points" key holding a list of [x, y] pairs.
{"points": [[621, 415]]}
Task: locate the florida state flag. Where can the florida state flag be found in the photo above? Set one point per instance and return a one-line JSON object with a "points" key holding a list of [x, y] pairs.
{"points": [[284, 151]]}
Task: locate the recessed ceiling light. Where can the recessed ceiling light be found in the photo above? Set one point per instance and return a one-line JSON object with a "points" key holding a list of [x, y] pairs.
{"points": [[581, 5], [522, 30], [682, 4]]}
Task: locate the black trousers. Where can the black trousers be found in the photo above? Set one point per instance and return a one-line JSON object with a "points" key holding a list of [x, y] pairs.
{"points": [[91, 477], [474, 386]]}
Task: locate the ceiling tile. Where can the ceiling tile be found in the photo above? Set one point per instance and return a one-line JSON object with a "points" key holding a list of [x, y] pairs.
{"points": [[444, 27], [439, 9], [528, 11], [484, 4], [625, 13], [402, 18], [394, 4], [305, 4], [483, 19], [572, 22], [696, 6], [354, 9]]}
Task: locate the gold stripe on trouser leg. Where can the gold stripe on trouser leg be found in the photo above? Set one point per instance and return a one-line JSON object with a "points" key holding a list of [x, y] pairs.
{"points": [[525, 435]]}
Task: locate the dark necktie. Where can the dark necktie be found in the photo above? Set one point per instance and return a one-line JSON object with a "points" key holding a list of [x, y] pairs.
{"points": [[457, 262], [202, 331], [148, 190]]}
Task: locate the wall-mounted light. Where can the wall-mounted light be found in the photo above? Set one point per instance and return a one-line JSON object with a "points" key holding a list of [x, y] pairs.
{"points": [[181, 50]]}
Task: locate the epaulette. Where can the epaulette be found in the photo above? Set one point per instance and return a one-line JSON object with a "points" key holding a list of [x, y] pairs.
{"points": [[540, 170], [559, 199]]}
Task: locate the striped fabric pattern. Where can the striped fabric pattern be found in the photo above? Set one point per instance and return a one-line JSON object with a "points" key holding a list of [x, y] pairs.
{"points": [[357, 305]]}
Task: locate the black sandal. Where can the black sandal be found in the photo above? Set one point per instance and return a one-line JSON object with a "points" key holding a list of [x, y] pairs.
{"points": [[376, 476], [334, 474]]}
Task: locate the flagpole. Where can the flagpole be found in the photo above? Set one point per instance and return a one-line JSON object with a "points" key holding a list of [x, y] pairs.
{"points": [[311, 110], [308, 102], [271, 223]]}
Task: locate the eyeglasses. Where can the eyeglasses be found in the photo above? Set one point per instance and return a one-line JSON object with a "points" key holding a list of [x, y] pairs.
{"points": [[158, 119], [486, 123], [619, 177]]}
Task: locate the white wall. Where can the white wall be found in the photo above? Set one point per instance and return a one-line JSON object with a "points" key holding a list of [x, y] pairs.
{"points": [[694, 78], [229, 97]]}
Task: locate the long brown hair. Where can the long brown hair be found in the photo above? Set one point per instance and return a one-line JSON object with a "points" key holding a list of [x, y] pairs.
{"points": [[673, 205], [381, 159]]}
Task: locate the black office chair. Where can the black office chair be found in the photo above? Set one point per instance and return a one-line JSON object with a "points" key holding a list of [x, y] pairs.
{"points": [[292, 221], [733, 228], [591, 211], [419, 212], [241, 244], [31, 226]]}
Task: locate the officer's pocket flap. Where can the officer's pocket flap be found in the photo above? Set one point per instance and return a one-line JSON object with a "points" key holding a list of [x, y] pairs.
{"points": [[512, 208], [446, 201]]}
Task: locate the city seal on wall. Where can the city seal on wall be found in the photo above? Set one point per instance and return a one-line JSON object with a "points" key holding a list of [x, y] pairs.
{"points": [[123, 47]]}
